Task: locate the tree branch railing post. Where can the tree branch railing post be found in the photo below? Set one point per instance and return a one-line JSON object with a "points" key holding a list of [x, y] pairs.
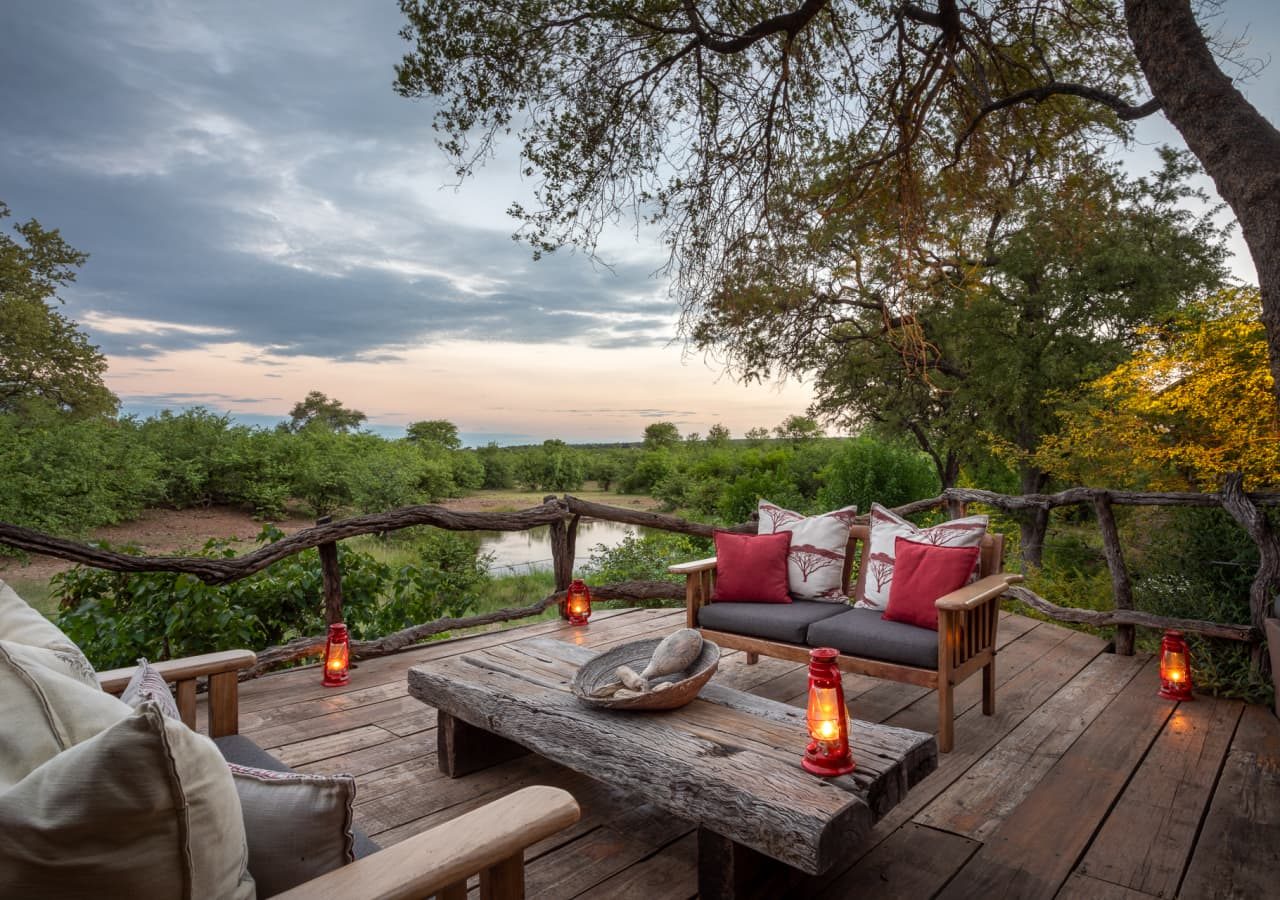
{"points": [[331, 576], [1121, 587]]}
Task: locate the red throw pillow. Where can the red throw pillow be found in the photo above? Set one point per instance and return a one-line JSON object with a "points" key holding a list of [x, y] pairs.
{"points": [[921, 574], [752, 567]]}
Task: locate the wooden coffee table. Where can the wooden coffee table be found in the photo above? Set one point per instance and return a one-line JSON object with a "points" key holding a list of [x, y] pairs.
{"points": [[728, 762]]}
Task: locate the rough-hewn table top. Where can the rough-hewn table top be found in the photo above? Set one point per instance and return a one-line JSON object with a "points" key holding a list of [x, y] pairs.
{"points": [[728, 761]]}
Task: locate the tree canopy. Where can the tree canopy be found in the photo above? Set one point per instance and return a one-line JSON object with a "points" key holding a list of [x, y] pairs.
{"points": [[318, 411], [46, 361], [1192, 405], [435, 432], [740, 128], [661, 434]]}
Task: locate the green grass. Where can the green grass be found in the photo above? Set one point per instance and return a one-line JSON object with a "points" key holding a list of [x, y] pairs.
{"points": [[37, 592]]}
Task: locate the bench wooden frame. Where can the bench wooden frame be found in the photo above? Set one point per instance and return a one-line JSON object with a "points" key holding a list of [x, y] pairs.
{"points": [[489, 841], [967, 623]]}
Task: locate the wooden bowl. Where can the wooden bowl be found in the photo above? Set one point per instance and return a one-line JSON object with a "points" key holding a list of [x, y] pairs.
{"points": [[684, 685]]}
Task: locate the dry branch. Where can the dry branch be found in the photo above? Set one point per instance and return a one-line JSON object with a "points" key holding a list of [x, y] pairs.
{"points": [[1104, 618]]}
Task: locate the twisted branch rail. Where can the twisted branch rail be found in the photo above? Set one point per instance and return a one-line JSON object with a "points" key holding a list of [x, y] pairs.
{"points": [[223, 571], [1244, 507]]}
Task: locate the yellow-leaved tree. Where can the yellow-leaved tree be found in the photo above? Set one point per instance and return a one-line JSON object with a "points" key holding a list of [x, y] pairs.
{"points": [[1193, 404]]}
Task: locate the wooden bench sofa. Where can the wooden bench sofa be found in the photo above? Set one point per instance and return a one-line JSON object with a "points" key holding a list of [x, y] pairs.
{"points": [[964, 643]]}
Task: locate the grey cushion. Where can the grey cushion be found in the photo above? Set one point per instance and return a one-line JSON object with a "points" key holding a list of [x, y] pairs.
{"points": [[862, 632], [238, 749], [773, 621]]}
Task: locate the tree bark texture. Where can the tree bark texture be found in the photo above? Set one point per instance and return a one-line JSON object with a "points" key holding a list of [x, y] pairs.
{"points": [[1264, 592], [1239, 149], [1121, 588]]}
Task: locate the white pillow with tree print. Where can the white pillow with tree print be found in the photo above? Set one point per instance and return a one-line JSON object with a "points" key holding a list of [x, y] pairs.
{"points": [[886, 527], [815, 563]]}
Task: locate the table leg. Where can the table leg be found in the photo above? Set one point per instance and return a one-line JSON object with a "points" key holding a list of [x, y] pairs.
{"points": [[728, 870], [462, 748]]}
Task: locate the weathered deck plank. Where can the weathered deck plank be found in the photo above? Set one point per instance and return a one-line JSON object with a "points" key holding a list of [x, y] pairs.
{"points": [[976, 804], [916, 861], [1116, 817], [1147, 839], [1033, 851], [1238, 854]]}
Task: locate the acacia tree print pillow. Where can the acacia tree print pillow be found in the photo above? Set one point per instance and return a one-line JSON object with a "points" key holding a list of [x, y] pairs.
{"points": [[815, 564], [886, 527]]}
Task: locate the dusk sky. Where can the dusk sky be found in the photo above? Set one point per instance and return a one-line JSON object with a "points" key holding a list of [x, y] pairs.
{"points": [[266, 217]]}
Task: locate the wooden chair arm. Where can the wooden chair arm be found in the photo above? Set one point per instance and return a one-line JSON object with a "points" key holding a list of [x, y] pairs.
{"points": [[490, 840], [692, 568], [984, 590], [116, 680]]}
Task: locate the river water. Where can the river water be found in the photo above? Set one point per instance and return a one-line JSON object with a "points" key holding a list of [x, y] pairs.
{"points": [[517, 552]]}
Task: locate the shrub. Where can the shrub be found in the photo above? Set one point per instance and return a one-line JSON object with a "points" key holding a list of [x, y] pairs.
{"points": [[867, 469], [554, 466], [66, 476], [644, 558]]}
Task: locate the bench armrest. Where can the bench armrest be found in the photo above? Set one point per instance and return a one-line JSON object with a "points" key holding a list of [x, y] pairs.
{"points": [[224, 685], [490, 840], [699, 578], [971, 596], [690, 568], [114, 681]]}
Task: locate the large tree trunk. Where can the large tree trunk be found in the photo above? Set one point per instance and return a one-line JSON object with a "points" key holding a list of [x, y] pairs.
{"points": [[1239, 149], [1034, 523]]}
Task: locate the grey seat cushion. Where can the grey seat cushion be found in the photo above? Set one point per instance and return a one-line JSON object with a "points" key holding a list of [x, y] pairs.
{"points": [[861, 632], [773, 621], [238, 749]]}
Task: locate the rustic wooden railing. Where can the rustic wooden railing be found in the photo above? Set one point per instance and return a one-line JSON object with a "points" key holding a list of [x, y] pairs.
{"points": [[563, 514]]}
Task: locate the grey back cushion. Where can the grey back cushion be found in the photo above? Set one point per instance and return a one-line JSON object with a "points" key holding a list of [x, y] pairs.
{"points": [[862, 632], [238, 749], [772, 621]]}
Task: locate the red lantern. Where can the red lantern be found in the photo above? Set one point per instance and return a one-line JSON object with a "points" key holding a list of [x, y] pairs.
{"points": [[577, 603], [337, 656], [828, 751], [1175, 667]]}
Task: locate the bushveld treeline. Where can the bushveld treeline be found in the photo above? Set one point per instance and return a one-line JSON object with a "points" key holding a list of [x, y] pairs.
{"points": [[65, 475]]}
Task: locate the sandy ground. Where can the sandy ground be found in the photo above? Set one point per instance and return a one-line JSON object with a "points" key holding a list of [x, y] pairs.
{"points": [[167, 531]]}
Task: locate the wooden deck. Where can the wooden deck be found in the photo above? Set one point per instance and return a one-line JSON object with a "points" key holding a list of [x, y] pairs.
{"points": [[1083, 785]]}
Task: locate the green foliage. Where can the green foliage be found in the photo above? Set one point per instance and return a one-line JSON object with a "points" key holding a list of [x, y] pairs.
{"points": [[437, 432], [446, 580], [650, 470], [555, 466], [116, 618], [318, 411], [718, 435], [65, 476], [798, 428], [467, 470], [46, 361], [498, 471], [867, 470], [644, 558], [661, 434], [1198, 563]]}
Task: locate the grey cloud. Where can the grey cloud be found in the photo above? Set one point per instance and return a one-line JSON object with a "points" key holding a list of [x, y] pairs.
{"points": [[216, 161]]}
